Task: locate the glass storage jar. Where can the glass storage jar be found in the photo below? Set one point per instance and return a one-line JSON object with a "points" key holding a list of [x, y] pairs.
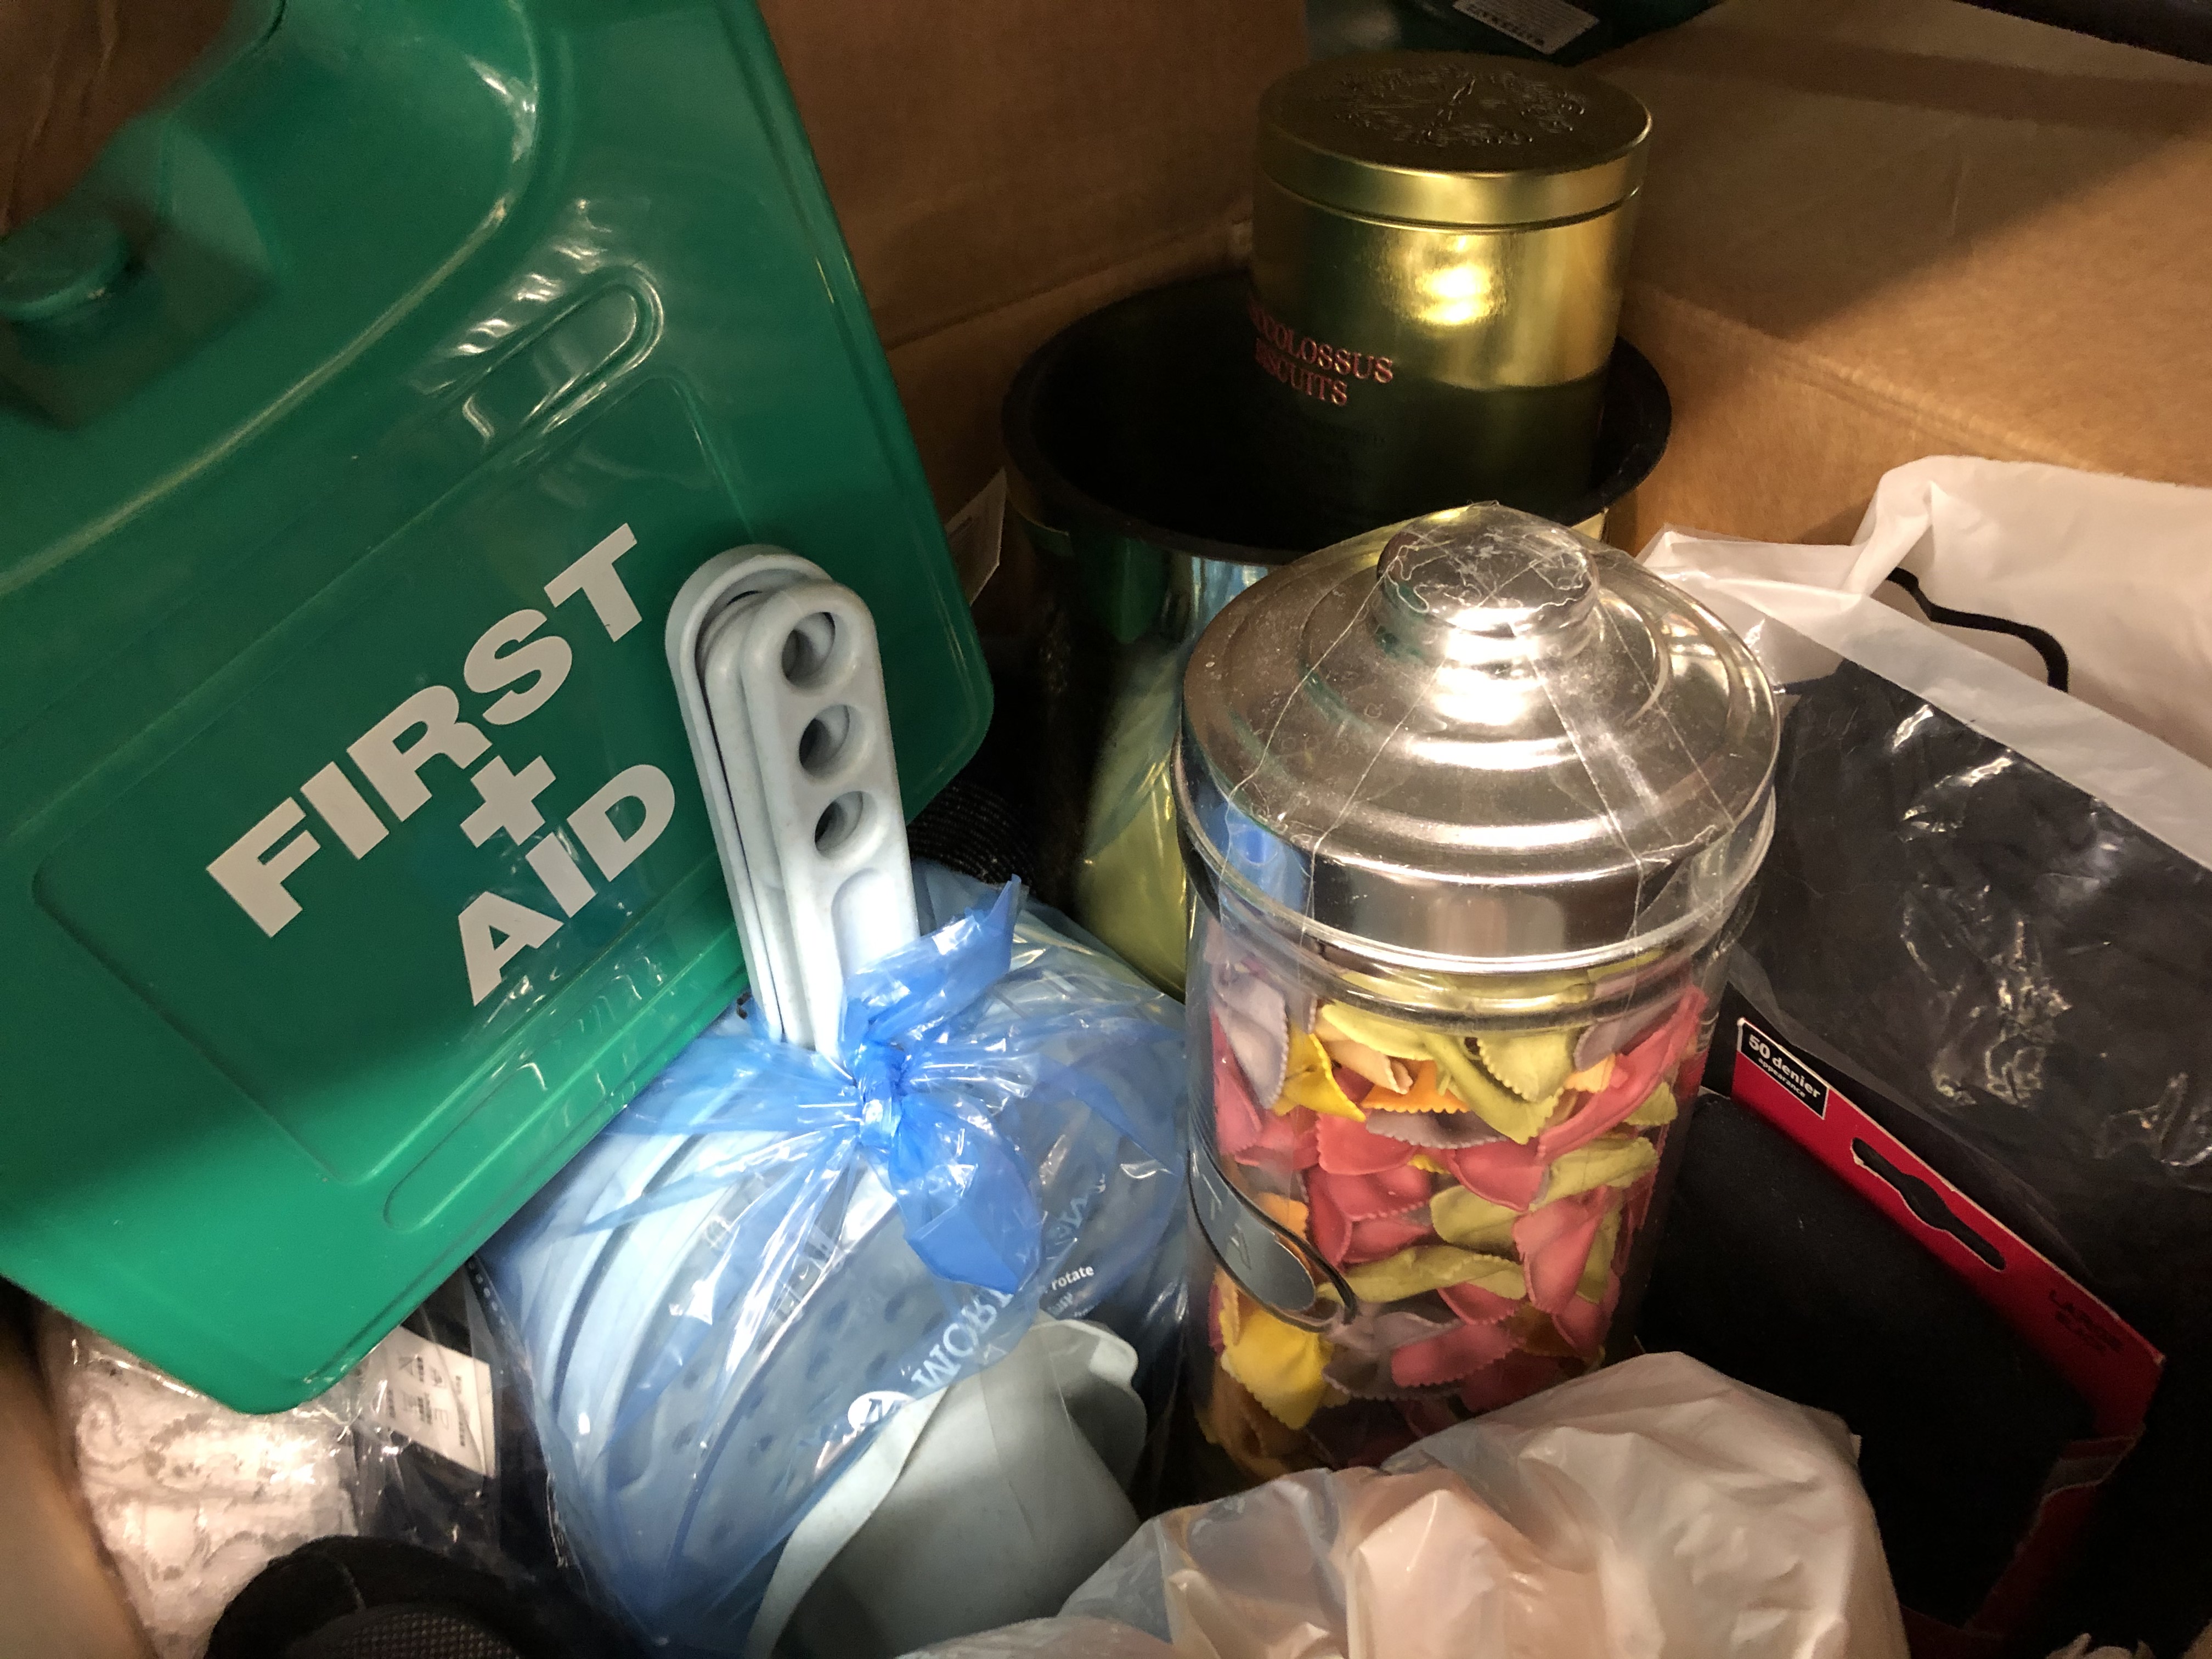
{"points": [[1467, 806]]}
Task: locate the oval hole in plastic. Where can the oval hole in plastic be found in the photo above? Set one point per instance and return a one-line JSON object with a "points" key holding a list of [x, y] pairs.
{"points": [[822, 745], [840, 822], [807, 648]]}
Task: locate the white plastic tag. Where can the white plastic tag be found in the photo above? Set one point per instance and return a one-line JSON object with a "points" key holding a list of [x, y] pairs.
{"points": [[974, 534], [434, 1396], [1545, 25]]}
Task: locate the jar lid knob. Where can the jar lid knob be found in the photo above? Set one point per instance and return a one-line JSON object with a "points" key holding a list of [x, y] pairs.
{"points": [[1478, 570]]}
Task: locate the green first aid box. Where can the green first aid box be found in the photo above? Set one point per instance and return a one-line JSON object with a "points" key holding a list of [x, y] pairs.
{"points": [[360, 418]]}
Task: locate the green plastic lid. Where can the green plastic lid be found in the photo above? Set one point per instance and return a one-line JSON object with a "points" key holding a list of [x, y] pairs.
{"points": [[352, 867]]}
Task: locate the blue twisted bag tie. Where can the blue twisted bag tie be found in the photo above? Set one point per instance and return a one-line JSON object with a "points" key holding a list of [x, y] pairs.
{"points": [[907, 1087]]}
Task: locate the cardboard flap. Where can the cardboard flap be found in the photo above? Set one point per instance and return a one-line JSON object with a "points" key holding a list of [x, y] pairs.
{"points": [[71, 72], [1002, 167], [1878, 229]]}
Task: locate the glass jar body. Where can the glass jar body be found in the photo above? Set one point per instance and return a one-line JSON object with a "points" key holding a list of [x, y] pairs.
{"points": [[1406, 1217]]}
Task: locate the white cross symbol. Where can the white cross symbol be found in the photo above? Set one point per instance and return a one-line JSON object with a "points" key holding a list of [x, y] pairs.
{"points": [[510, 802]]}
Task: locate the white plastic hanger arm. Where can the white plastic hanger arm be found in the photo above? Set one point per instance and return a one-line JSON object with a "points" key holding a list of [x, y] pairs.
{"points": [[780, 678]]}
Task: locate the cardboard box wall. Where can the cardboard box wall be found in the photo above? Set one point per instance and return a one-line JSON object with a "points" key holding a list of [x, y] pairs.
{"points": [[1002, 166], [71, 72], [58, 1597], [1878, 229]]}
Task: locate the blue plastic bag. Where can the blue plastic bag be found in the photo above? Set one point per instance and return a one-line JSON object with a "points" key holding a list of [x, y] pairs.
{"points": [[721, 1299]]}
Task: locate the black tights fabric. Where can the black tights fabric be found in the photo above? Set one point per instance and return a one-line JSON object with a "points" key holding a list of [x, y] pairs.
{"points": [[369, 1598]]}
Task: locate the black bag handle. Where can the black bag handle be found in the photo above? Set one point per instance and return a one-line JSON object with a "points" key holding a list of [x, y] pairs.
{"points": [[2055, 669]]}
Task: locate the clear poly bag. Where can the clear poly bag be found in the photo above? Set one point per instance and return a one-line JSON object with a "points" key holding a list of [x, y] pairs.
{"points": [[1129, 886], [725, 1298], [192, 1499], [426, 1438], [1653, 1508], [1988, 910]]}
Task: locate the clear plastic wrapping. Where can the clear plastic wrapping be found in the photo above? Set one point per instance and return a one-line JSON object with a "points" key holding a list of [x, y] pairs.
{"points": [[1988, 912], [426, 1434], [1656, 1508], [724, 1299], [192, 1499]]}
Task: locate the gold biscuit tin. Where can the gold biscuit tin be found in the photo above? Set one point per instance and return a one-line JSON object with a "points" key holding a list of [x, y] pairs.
{"points": [[1439, 241]]}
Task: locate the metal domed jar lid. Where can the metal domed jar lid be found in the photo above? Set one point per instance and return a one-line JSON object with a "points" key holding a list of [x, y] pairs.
{"points": [[1477, 743]]}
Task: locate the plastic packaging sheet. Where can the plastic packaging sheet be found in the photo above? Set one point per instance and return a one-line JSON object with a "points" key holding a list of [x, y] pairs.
{"points": [[1991, 902], [2113, 568], [1653, 1508], [426, 1438], [766, 1256], [1129, 886], [191, 1498]]}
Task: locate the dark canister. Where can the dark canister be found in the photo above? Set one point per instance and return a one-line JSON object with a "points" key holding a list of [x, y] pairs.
{"points": [[1439, 240]]}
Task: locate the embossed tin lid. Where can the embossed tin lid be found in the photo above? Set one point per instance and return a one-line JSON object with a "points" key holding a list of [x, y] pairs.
{"points": [[1453, 138], [1478, 743]]}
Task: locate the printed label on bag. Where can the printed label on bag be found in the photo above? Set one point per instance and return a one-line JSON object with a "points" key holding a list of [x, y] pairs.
{"points": [[435, 1397], [1545, 25], [1784, 1068]]}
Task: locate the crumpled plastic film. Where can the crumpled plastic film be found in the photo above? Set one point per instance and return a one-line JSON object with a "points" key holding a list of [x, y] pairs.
{"points": [[1053, 1638], [1988, 911], [1129, 885], [768, 1255], [191, 1498], [1653, 1508]]}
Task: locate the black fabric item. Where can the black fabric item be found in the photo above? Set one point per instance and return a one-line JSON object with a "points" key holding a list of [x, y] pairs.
{"points": [[971, 827], [985, 824], [371, 1598], [1772, 1270], [403, 1633], [2024, 972], [406, 1492]]}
